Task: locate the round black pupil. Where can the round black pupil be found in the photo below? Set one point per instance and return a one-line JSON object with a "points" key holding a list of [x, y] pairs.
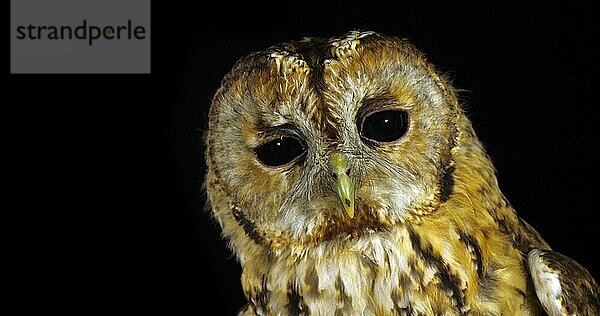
{"points": [[385, 126], [280, 151]]}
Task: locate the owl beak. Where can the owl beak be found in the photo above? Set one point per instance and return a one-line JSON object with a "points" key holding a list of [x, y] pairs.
{"points": [[345, 185]]}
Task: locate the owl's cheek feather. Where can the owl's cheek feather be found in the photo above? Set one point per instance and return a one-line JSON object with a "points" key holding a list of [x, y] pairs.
{"points": [[249, 185]]}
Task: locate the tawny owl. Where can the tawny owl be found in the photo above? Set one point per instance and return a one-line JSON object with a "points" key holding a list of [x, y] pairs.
{"points": [[349, 181]]}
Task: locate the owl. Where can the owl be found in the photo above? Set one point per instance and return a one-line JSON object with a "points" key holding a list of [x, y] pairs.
{"points": [[348, 181]]}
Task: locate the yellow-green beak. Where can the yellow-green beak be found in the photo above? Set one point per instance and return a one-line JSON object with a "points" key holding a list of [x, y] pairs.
{"points": [[344, 186]]}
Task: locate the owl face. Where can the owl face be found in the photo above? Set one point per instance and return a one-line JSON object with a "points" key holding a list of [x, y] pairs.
{"points": [[328, 139]]}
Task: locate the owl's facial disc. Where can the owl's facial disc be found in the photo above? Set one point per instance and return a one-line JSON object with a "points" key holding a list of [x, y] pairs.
{"points": [[345, 187], [329, 139]]}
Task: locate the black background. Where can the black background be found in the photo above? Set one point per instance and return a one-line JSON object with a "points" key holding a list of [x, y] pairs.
{"points": [[105, 201]]}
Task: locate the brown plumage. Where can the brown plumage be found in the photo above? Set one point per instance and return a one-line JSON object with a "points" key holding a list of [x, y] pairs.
{"points": [[348, 180]]}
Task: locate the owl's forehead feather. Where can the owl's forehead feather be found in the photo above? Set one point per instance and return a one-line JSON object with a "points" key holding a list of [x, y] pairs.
{"points": [[313, 54], [356, 63]]}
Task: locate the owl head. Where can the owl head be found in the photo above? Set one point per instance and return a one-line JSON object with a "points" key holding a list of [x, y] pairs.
{"points": [[327, 139]]}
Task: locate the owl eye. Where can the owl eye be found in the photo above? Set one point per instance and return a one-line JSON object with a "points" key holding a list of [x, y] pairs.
{"points": [[280, 151], [385, 126]]}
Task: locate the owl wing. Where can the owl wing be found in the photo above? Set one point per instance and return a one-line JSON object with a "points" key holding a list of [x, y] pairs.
{"points": [[562, 285]]}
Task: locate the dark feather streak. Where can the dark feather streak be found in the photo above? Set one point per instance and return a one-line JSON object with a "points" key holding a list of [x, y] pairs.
{"points": [[246, 224], [474, 246], [447, 183], [450, 283]]}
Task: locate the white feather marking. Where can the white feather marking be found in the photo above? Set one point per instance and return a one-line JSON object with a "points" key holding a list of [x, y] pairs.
{"points": [[402, 198], [428, 275], [546, 283]]}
